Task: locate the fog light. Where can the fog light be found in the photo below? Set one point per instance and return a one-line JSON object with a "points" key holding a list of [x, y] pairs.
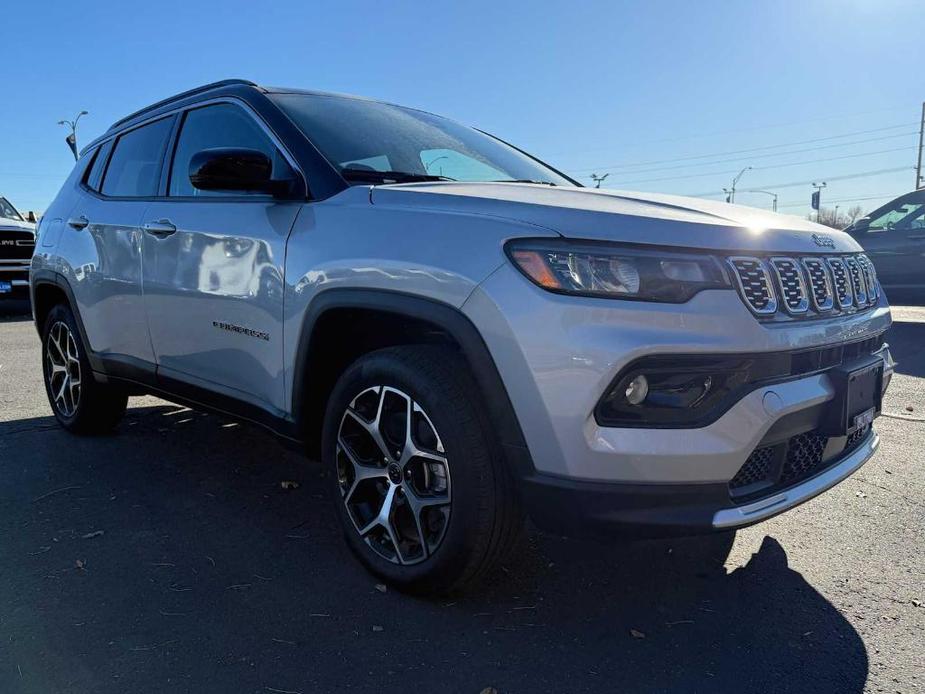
{"points": [[637, 390]]}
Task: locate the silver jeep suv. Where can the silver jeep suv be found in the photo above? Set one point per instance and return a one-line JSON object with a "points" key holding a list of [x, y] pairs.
{"points": [[462, 334]]}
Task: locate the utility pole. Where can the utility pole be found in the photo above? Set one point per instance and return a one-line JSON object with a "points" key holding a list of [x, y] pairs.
{"points": [[918, 165], [835, 218], [598, 179], [71, 139], [731, 193], [773, 195]]}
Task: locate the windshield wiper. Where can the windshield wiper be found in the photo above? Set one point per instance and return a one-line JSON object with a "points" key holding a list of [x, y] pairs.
{"points": [[371, 175], [524, 180]]}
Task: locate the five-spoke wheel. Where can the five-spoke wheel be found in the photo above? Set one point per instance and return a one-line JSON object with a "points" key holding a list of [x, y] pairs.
{"points": [[62, 368], [393, 474], [80, 402], [418, 480]]}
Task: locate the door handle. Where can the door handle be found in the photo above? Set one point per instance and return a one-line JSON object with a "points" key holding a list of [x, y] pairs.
{"points": [[161, 228], [78, 223]]}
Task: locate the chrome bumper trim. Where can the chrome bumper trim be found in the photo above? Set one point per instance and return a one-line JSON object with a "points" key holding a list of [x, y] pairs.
{"points": [[778, 503]]}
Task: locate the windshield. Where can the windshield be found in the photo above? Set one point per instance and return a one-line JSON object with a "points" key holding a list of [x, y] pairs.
{"points": [[7, 211], [907, 212], [359, 136]]}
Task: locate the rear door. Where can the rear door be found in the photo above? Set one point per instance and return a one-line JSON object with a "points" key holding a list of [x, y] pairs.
{"points": [[213, 267], [102, 243]]}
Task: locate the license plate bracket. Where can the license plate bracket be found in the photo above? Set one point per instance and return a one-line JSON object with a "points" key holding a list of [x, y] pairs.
{"points": [[858, 396]]}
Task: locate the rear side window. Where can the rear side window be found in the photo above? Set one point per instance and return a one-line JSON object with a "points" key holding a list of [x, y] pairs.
{"points": [[94, 176], [221, 125], [135, 166]]}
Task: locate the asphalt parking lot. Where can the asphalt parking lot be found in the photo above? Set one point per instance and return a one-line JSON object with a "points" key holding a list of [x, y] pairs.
{"points": [[168, 558]]}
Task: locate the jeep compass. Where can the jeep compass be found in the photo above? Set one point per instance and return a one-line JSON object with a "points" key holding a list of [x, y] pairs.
{"points": [[463, 335]]}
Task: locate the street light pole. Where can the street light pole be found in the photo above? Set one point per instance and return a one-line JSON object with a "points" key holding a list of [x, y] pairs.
{"points": [[773, 195], [598, 179], [71, 139], [731, 194]]}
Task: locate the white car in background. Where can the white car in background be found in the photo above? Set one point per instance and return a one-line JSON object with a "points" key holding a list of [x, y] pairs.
{"points": [[17, 241]]}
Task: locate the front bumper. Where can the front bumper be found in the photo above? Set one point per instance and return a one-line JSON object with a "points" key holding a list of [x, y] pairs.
{"points": [[16, 273], [557, 355], [571, 507]]}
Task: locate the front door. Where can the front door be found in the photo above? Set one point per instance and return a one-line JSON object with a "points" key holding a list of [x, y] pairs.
{"points": [[213, 268], [895, 242]]}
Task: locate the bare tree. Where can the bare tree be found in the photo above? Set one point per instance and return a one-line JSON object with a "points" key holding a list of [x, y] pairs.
{"points": [[830, 218], [854, 212]]}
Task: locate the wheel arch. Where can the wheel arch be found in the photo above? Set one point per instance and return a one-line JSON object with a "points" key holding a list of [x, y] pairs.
{"points": [[322, 355], [48, 289]]}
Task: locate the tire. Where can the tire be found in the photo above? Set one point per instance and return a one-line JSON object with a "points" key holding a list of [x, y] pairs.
{"points": [[80, 403], [452, 511]]}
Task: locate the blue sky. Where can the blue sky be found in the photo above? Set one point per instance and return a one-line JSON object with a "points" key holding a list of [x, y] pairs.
{"points": [[663, 95]]}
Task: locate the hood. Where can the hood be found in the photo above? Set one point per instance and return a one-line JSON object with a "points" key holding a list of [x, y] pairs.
{"points": [[611, 215], [15, 225]]}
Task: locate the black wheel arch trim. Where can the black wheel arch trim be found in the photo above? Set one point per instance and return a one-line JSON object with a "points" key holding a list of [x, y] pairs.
{"points": [[449, 319], [52, 278]]}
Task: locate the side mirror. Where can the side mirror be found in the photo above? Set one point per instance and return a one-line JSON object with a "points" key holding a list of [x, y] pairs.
{"points": [[235, 170], [860, 225], [30, 217]]}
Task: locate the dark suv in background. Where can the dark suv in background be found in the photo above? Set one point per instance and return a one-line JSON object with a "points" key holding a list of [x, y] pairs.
{"points": [[894, 238]]}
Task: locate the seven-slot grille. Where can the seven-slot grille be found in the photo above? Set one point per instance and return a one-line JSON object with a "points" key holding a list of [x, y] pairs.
{"points": [[755, 284], [796, 284], [790, 282]]}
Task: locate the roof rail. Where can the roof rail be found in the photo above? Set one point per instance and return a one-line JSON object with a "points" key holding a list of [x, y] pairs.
{"points": [[181, 95]]}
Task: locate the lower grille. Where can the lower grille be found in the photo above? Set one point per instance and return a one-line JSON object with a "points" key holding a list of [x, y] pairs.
{"points": [[804, 453], [757, 468], [785, 464]]}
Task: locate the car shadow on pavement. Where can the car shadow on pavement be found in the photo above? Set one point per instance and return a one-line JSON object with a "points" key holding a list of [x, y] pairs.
{"points": [[171, 555]]}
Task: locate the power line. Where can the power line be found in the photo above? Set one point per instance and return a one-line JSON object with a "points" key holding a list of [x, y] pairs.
{"points": [[763, 168], [795, 184], [775, 154], [745, 151], [870, 197], [840, 116]]}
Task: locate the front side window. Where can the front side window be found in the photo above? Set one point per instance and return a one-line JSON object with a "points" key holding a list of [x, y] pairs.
{"points": [[366, 139], [904, 214], [135, 166], [7, 211], [211, 127]]}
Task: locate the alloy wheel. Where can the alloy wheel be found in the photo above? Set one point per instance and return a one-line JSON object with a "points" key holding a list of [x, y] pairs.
{"points": [[393, 474], [62, 369]]}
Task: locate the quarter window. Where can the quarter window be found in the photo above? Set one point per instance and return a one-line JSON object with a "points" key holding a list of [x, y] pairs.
{"points": [[95, 174], [135, 167], [221, 125]]}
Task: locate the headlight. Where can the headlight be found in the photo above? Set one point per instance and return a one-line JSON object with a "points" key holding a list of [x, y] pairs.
{"points": [[617, 272]]}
